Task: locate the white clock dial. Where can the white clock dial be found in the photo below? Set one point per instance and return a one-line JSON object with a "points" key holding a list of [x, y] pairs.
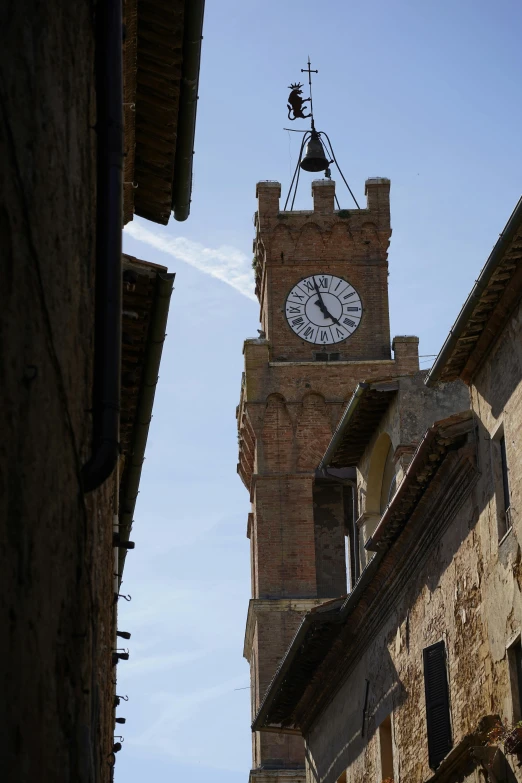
{"points": [[323, 309]]}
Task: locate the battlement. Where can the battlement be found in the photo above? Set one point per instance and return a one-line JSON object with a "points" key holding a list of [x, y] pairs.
{"points": [[377, 191]]}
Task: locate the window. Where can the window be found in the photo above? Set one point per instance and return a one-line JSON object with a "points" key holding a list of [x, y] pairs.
{"points": [[505, 479], [437, 703], [501, 478], [515, 676], [321, 356], [386, 746], [351, 537]]}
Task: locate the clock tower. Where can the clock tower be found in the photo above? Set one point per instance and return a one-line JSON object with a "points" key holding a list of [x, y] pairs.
{"points": [[322, 284]]}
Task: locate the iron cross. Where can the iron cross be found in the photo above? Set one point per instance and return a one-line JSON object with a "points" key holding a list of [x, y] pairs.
{"points": [[309, 71]]}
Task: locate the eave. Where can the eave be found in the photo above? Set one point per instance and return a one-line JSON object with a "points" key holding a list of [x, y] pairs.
{"points": [[145, 312], [358, 422], [162, 53], [496, 291]]}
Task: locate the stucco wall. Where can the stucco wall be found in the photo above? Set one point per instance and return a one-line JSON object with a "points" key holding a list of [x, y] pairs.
{"points": [[56, 597]]}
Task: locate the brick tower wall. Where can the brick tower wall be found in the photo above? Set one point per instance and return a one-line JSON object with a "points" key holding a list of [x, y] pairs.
{"points": [[289, 408], [350, 243]]}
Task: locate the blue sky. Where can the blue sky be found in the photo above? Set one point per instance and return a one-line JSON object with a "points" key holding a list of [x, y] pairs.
{"points": [[426, 93]]}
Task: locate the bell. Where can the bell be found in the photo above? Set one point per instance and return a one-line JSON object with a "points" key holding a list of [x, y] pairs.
{"points": [[315, 159]]}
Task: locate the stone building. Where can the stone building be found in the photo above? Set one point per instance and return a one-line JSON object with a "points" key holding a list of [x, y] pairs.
{"points": [[78, 321], [416, 674]]}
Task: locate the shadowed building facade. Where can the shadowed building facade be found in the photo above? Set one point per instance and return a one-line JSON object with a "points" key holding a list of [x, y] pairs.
{"points": [[98, 112]]}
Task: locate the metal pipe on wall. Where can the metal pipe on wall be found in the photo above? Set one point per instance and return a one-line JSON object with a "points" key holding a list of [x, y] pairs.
{"points": [[109, 215]]}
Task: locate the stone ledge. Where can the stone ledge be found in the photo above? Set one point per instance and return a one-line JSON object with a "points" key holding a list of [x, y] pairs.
{"points": [[322, 365], [274, 775]]}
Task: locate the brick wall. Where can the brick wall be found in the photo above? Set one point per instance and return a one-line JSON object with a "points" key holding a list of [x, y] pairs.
{"points": [[56, 553], [290, 406], [352, 244]]}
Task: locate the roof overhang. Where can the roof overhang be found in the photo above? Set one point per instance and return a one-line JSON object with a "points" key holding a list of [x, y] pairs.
{"points": [[162, 53], [358, 423], [497, 289], [146, 299]]}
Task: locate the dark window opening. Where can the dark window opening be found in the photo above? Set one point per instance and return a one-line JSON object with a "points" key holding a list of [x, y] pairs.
{"points": [[515, 676], [505, 479], [322, 356], [351, 537], [438, 717]]}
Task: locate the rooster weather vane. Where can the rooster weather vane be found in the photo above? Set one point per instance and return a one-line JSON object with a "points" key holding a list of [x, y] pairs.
{"points": [[314, 159]]}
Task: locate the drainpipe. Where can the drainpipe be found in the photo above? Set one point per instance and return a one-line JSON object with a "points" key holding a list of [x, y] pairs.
{"points": [[109, 215]]}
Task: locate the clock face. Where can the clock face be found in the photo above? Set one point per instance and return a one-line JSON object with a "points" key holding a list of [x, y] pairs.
{"points": [[323, 309]]}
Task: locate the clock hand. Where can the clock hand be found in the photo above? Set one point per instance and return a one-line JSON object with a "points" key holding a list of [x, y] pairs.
{"points": [[320, 303]]}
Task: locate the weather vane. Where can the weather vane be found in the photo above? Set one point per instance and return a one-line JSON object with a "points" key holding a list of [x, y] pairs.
{"points": [[295, 102], [314, 159]]}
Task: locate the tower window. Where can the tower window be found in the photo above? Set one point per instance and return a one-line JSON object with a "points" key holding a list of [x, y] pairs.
{"points": [[437, 703], [322, 356]]}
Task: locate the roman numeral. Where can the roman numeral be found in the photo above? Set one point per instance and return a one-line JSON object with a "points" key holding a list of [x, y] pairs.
{"points": [[348, 322], [338, 284], [323, 282], [307, 284], [352, 293], [308, 331], [294, 309], [352, 309], [339, 332], [324, 338], [298, 296], [298, 321]]}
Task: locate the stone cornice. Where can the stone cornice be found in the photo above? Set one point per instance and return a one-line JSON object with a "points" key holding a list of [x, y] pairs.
{"points": [[277, 776]]}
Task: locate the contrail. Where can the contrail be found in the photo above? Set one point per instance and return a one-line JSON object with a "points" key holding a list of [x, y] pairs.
{"points": [[228, 264]]}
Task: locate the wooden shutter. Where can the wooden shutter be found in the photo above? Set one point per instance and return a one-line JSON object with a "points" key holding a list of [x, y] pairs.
{"points": [[437, 703]]}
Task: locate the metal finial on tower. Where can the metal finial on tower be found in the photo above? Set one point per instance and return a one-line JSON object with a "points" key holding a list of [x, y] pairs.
{"points": [[309, 71], [314, 159]]}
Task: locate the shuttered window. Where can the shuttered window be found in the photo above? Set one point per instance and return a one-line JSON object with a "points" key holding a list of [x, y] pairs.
{"points": [[437, 703]]}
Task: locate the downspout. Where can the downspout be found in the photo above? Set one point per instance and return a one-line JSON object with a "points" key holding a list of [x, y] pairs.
{"points": [[193, 35], [109, 215]]}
